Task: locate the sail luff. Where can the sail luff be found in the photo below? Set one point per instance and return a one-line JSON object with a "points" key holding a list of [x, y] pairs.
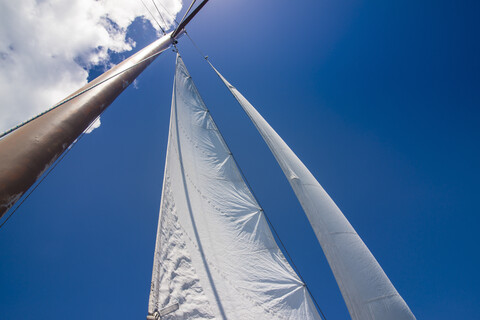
{"points": [[366, 289], [154, 288]]}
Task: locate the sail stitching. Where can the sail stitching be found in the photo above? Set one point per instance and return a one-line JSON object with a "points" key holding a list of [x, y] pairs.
{"points": [[179, 153], [194, 144], [242, 177]]}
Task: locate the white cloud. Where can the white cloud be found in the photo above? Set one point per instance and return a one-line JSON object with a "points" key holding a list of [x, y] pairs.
{"points": [[42, 42]]}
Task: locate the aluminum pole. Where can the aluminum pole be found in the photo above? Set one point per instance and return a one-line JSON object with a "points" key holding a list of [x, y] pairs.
{"points": [[26, 153]]}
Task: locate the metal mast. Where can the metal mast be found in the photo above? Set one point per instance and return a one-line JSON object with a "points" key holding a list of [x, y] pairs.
{"points": [[26, 153]]}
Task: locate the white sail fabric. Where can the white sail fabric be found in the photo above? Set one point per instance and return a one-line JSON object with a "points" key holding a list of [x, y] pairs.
{"points": [[215, 255], [366, 289]]}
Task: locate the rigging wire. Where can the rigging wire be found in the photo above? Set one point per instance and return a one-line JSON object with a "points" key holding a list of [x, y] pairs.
{"points": [[57, 162], [188, 10], [171, 15], [187, 20], [256, 199], [196, 47], [159, 13], [153, 17]]}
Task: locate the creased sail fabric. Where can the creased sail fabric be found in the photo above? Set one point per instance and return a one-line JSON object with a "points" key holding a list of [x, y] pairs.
{"points": [[366, 289], [215, 255]]}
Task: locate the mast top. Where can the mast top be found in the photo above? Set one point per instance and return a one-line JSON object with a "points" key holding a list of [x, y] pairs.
{"points": [[185, 21]]}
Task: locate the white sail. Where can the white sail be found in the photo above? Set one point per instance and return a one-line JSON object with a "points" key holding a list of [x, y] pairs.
{"points": [[215, 255], [366, 289]]}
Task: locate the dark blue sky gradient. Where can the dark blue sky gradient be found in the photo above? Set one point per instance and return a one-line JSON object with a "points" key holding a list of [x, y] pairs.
{"points": [[380, 99]]}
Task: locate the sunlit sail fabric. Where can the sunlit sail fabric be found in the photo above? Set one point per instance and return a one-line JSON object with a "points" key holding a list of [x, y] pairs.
{"points": [[366, 289], [215, 255]]}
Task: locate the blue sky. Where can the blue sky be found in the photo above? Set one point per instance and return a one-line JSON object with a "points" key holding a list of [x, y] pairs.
{"points": [[380, 101]]}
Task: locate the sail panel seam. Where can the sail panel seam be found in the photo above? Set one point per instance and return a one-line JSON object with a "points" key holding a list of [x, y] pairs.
{"points": [[383, 297]]}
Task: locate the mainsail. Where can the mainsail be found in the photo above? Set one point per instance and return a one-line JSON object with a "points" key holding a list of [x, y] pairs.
{"points": [[215, 255], [365, 287]]}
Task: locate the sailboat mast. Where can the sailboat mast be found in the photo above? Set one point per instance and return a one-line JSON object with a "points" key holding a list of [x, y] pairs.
{"points": [[27, 152]]}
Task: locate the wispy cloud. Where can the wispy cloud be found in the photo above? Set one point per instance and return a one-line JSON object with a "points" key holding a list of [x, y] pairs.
{"points": [[46, 45]]}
